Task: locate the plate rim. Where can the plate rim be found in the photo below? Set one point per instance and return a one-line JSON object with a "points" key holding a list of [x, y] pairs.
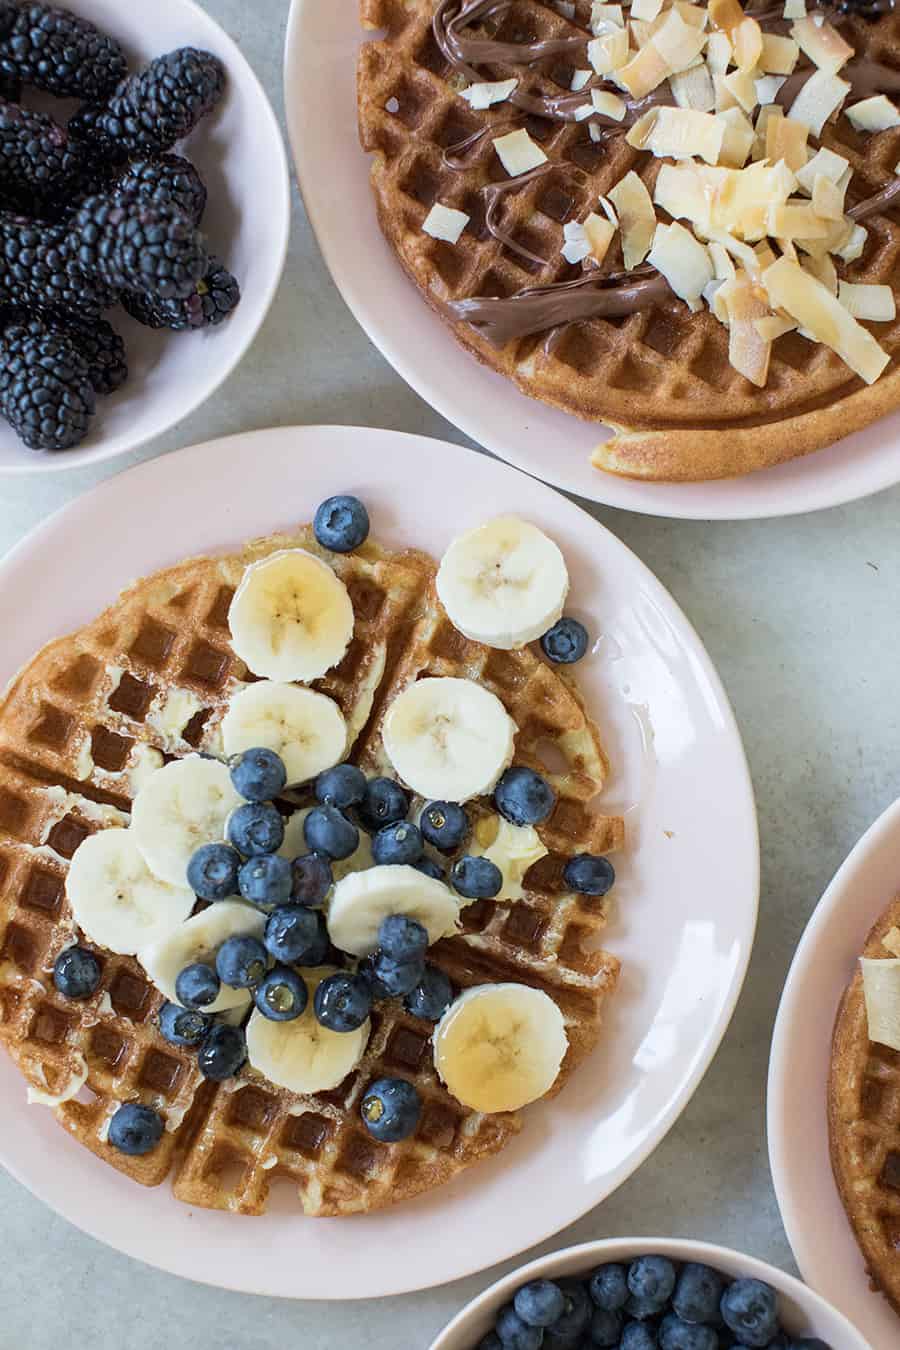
{"points": [[36, 539], [870, 842]]}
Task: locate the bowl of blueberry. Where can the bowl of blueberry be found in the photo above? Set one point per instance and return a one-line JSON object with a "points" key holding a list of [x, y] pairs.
{"points": [[144, 216], [649, 1294]]}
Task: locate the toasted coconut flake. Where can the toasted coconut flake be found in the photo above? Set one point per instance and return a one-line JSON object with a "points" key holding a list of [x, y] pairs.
{"points": [[824, 270], [738, 139], [767, 87], [786, 140], [742, 252], [609, 105], [824, 164], [822, 43], [444, 222], [681, 190], [609, 51], [742, 87], [827, 198], [693, 89], [718, 53], [602, 14], [599, 233], [747, 42], [579, 79], [792, 289], [639, 133], [678, 43], [794, 9], [821, 96], [772, 327], [722, 264], [873, 303], [795, 220], [584, 112], [518, 152], [645, 9], [683, 260], [874, 114], [637, 219], [764, 254], [725, 14], [856, 242], [698, 15], [577, 245], [680, 133], [748, 351], [488, 92], [609, 211], [725, 99], [779, 55], [644, 72]]}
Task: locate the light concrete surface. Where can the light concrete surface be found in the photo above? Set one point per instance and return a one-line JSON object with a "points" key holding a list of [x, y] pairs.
{"points": [[800, 616]]}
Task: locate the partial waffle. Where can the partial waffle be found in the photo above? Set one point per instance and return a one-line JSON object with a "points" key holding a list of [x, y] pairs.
{"points": [[150, 680], [864, 1127], [661, 376]]}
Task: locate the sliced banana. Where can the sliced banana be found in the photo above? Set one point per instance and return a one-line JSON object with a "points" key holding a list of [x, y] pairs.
{"points": [[449, 738], [302, 1055], [306, 729], [117, 901], [500, 1046], [504, 583], [291, 617], [512, 848], [295, 845], [198, 940], [361, 900], [178, 808]]}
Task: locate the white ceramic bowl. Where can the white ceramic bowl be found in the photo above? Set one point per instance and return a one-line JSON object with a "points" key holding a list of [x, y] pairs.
{"points": [[240, 154], [803, 1312]]}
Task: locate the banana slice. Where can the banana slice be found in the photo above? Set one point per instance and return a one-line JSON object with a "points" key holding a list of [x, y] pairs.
{"points": [[116, 899], [181, 806], [504, 583], [302, 1055], [512, 848], [500, 1046], [306, 729], [449, 738], [361, 900], [198, 940], [291, 617]]}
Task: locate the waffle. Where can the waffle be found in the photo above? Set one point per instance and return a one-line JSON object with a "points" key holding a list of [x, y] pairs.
{"points": [[864, 1127], [661, 376], [149, 681]]}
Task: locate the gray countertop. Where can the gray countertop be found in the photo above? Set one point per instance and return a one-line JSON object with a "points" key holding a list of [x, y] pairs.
{"points": [[800, 616]]}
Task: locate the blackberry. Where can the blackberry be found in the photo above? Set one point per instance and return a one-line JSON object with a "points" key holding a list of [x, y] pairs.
{"points": [[45, 389], [167, 180], [209, 304], [84, 127], [36, 155], [97, 340], [55, 50], [10, 87], [160, 105], [138, 246], [38, 270]]}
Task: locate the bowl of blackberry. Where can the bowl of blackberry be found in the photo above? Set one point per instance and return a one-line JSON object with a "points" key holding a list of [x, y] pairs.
{"points": [[649, 1294], [144, 215]]}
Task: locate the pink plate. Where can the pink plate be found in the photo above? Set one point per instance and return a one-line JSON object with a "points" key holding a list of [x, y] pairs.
{"points": [[679, 774], [824, 963], [320, 100]]}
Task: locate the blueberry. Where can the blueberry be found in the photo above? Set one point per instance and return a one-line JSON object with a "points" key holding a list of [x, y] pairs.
{"points": [[391, 1109], [651, 1280], [295, 936], [366, 971], [476, 878], [430, 869], [342, 1002], [540, 1302], [609, 1287], [674, 1334], [565, 642], [256, 829], [397, 845], [490, 1342], [750, 1309], [589, 874], [241, 962], [606, 1327], [698, 1293], [431, 997], [258, 774], [514, 1333], [182, 1026], [282, 995], [312, 879], [266, 881], [327, 831], [641, 1309], [568, 1329], [396, 978], [213, 871], [342, 786], [135, 1129], [402, 938], [76, 972], [523, 796], [341, 524], [445, 825], [222, 1052], [197, 985], [384, 802], [638, 1336]]}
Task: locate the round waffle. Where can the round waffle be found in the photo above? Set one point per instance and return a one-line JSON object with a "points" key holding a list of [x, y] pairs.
{"points": [[149, 680], [864, 1126], [661, 375]]}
